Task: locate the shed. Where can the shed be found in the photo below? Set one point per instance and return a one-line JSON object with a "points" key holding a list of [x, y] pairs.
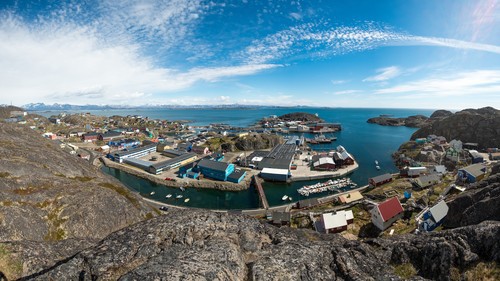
{"points": [[271, 174], [281, 218], [379, 180]]}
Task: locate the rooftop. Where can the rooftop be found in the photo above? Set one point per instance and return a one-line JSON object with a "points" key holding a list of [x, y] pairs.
{"points": [[390, 208], [382, 178], [214, 165]]}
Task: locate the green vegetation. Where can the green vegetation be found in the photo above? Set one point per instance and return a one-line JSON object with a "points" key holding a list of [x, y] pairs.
{"points": [[149, 216], [122, 191], [405, 270], [56, 232], [10, 265], [483, 271], [4, 174], [83, 179]]}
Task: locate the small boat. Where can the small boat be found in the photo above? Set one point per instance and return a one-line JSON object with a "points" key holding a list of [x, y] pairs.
{"points": [[376, 162], [168, 195], [186, 200], [152, 193], [182, 188], [284, 197], [179, 196], [290, 198], [378, 167]]}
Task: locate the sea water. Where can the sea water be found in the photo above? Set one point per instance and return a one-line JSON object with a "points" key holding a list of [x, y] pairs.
{"points": [[366, 142]]}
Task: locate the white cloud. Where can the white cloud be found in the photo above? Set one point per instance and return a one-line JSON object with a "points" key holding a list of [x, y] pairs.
{"points": [[384, 74], [338, 82], [320, 41], [346, 92], [69, 63], [296, 16], [457, 84]]}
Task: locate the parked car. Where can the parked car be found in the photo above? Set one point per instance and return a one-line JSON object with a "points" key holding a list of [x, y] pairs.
{"points": [[164, 208]]}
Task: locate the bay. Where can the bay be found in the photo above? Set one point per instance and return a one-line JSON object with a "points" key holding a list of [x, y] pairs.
{"points": [[366, 142]]}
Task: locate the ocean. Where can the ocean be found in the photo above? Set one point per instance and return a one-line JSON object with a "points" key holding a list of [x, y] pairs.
{"points": [[366, 142]]}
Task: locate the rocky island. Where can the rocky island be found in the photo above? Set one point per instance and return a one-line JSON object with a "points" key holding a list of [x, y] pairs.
{"points": [[414, 121]]}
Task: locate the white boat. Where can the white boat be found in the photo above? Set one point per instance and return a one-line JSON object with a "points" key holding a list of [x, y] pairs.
{"points": [[378, 167], [376, 162], [179, 196], [284, 197], [152, 193], [290, 198], [182, 188], [186, 200], [168, 196]]}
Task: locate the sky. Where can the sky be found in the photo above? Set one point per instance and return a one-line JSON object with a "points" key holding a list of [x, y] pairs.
{"points": [[389, 54]]}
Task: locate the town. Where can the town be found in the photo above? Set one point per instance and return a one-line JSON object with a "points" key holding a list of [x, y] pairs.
{"points": [[433, 170]]}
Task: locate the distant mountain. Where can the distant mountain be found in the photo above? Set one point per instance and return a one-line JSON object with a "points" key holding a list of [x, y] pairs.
{"points": [[62, 107]]}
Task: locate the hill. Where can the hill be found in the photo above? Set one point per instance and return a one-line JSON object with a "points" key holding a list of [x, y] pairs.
{"points": [[300, 116], [480, 126], [49, 195]]}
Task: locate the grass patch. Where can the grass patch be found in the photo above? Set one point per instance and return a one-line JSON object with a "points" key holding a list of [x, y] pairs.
{"points": [[83, 179], [122, 191], [483, 271], [405, 270], [56, 231], [4, 174], [149, 216], [6, 203], [10, 265]]}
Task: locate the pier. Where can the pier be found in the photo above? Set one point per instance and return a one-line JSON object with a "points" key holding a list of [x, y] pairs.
{"points": [[262, 194]]}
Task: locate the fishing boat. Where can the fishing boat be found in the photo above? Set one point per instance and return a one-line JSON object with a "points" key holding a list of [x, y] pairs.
{"points": [[152, 193], [186, 200], [168, 196], [290, 198], [284, 197], [182, 188], [179, 196], [376, 162], [378, 167]]}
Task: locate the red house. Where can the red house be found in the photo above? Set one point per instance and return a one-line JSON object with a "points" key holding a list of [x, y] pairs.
{"points": [[88, 137], [380, 180], [386, 213]]}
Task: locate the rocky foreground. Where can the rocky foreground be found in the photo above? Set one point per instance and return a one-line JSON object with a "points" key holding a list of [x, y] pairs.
{"points": [[199, 245]]}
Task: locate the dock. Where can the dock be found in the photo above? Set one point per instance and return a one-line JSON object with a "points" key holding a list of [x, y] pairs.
{"points": [[262, 194]]}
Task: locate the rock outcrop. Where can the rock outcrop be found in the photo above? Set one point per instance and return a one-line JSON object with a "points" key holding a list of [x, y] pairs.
{"points": [[198, 245], [300, 116], [47, 194], [480, 126], [414, 121], [480, 202]]}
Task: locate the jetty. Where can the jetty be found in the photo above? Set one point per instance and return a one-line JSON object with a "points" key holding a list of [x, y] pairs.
{"points": [[262, 194]]}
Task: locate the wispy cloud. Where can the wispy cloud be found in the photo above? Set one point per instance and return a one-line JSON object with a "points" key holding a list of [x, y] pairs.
{"points": [[347, 92], [50, 63], [384, 74], [458, 84], [338, 82], [321, 41]]}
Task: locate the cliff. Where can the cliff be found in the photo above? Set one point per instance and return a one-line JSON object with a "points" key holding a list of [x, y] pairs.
{"points": [[480, 126], [200, 245], [49, 195], [480, 202]]}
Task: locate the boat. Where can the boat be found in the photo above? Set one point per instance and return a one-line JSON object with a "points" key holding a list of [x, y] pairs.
{"points": [[284, 197], [378, 167], [179, 196], [290, 198], [330, 185], [186, 200], [168, 195], [152, 193], [182, 188], [376, 162]]}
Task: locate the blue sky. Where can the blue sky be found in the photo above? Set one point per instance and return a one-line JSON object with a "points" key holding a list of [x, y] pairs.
{"points": [[411, 54]]}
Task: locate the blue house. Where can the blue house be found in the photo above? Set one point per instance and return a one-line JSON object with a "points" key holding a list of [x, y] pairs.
{"points": [[472, 173], [187, 169], [434, 216], [215, 170]]}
